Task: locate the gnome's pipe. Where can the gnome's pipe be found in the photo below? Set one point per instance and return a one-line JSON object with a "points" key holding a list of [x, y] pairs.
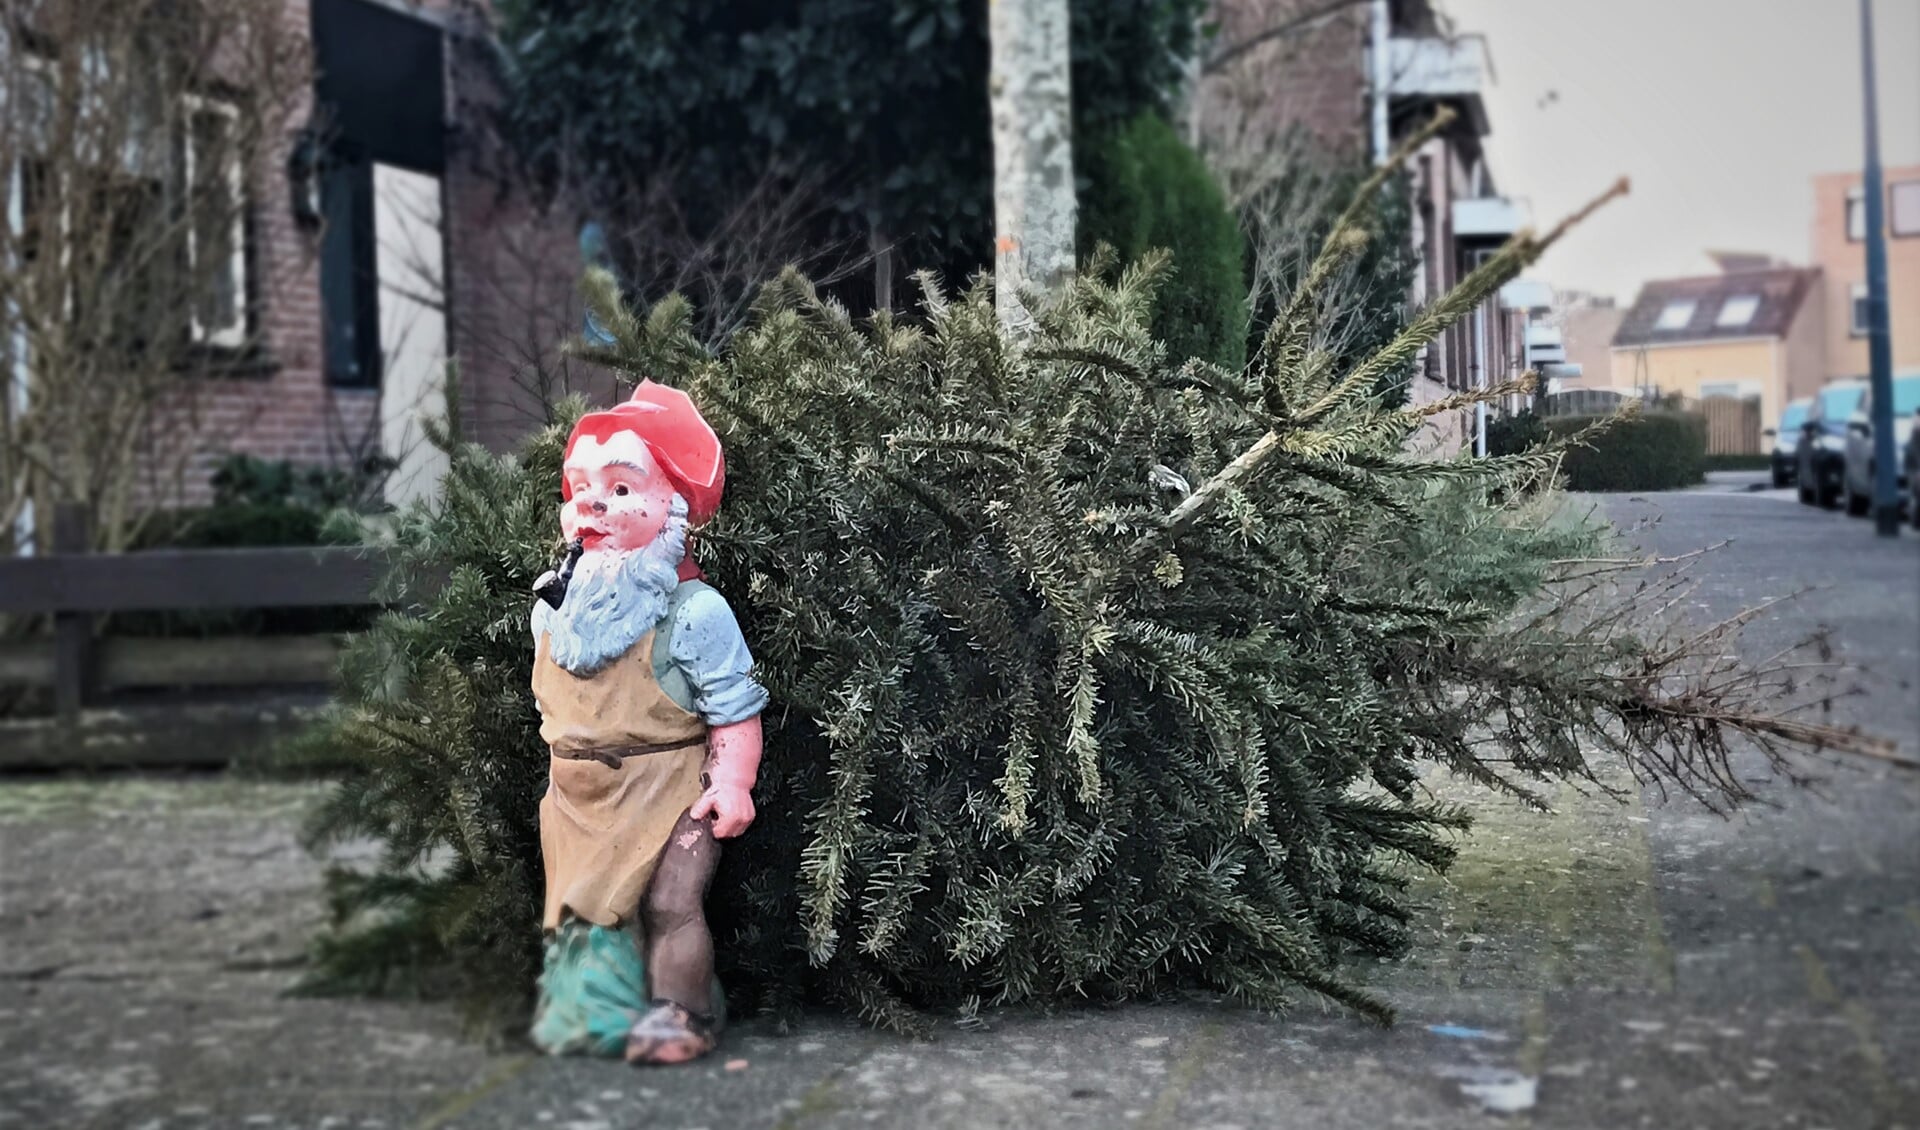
{"points": [[553, 589]]}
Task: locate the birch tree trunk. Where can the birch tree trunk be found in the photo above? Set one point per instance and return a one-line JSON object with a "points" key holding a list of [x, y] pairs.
{"points": [[1033, 200]]}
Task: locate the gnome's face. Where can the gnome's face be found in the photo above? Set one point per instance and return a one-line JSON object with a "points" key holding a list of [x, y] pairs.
{"points": [[620, 499]]}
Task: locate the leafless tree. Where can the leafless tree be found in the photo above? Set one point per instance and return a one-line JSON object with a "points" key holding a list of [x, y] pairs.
{"points": [[519, 308], [773, 223], [130, 135]]}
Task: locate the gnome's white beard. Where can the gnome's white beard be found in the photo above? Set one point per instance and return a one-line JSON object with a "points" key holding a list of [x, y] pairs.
{"points": [[614, 598]]}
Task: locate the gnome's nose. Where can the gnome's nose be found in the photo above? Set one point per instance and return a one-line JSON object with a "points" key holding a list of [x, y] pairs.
{"points": [[599, 508]]}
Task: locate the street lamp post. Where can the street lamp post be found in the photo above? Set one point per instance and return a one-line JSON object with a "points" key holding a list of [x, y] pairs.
{"points": [[1886, 502]]}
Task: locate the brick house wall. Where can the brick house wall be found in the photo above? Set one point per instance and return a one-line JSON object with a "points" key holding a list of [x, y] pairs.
{"points": [[1315, 79], [282, 407], [510, 301]]}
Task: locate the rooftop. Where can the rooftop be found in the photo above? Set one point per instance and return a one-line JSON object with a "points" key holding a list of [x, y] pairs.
{"points": [[1734, 305]]}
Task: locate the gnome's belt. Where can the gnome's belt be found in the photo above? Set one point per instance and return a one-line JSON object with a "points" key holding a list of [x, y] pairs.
{"points": [[612, 755]]}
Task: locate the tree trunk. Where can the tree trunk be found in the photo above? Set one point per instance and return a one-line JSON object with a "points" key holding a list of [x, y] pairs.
{"points": [[1033, 202]]}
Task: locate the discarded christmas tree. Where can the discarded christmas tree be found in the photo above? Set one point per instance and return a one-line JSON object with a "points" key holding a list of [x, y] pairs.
{"points": [[1091, 678]]}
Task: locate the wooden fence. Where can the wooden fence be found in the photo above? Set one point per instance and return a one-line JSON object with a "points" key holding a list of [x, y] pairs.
{"points": [[1733, 425], [75, 587], [1584, 402]]}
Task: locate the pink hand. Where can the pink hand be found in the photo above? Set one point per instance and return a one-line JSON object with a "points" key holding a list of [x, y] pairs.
{"points": [[730, 807]]}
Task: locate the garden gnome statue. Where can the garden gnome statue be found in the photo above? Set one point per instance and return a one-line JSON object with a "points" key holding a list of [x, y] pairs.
{"points": [[653, 717]]}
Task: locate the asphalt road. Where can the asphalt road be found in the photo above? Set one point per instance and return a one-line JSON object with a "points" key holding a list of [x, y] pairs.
{"points": [[1605, 965], [1794, 930]]}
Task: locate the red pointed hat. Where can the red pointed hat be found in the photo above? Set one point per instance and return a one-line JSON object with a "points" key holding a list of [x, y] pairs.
{"points": [[677, 435]]}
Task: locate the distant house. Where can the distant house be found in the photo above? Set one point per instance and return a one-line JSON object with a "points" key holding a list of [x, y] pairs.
{"points": [[1747, 333], [1588, 324], [1839, 250]]}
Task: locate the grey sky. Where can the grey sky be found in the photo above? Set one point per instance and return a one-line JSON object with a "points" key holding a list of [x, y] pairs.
{"points": [[1719, 110]]}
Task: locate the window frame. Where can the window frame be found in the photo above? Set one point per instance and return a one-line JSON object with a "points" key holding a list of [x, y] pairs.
{"points": [[20, 180], [1856, 207], [234, 334], [1856, 295]]}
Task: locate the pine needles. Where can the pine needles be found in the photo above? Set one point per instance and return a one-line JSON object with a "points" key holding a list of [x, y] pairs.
{"points": [[1049, 723]]}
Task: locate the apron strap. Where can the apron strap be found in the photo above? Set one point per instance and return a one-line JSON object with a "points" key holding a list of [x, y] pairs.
{"points": [[611, 755]]}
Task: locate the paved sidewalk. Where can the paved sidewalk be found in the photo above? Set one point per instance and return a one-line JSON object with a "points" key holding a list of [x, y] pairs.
{"points": [[1607, 965]]}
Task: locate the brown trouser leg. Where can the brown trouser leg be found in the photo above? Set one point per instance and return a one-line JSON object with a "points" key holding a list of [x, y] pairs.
{"points": [[679, 948]]}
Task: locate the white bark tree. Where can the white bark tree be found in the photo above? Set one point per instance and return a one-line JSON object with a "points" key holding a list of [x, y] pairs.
{"points": [[1033, 199]]}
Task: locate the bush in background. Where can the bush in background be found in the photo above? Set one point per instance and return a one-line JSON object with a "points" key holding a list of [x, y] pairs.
{"points": [[268, 502], [1657, 450], [259, 503], [1287, 202], [1145, 189], [719, 94], [1511, 435]]}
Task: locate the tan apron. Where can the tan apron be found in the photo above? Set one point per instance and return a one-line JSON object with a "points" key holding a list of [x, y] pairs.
{"points": [[604, 822]]}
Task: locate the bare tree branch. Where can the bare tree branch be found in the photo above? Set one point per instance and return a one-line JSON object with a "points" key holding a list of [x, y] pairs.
{"points": [[131, 133]]}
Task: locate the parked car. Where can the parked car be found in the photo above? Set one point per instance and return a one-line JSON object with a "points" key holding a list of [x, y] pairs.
{"points": [[1912, 464], [1786, 442], [1857, 484], [1823, 442]]}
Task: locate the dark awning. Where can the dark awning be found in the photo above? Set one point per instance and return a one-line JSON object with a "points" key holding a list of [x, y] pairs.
{"points": [[381, 82]]}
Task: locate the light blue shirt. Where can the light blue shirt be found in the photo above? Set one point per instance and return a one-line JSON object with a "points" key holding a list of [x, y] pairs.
{"points": [[701, 659]]}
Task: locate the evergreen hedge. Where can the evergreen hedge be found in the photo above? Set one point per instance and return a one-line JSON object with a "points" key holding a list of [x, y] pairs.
{"points": [[1145, 189], [1656, 450]]}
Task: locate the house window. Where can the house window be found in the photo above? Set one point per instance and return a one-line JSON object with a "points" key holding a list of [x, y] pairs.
{"points": [[1904, 198], [148, 211], [1859, 309], [217, 232], [349, 277], [1675, 315], [1737, 311], [1856, 214]]}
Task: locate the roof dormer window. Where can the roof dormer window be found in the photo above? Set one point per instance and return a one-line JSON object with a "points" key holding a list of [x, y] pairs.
{"points": [[1737, 310], [1675, 315]]}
